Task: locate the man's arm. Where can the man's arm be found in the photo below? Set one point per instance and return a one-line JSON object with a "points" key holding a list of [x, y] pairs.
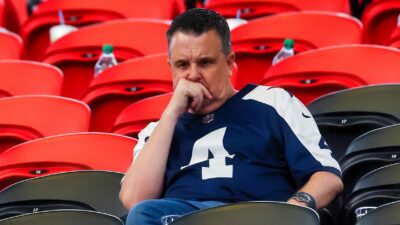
{"points": [[323, 186], [145, 177]]}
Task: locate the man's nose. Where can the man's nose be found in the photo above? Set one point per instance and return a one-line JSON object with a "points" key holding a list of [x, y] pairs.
{"points": [[194, 73]]}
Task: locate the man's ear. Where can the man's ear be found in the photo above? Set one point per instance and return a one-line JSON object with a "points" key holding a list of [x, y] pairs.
{"points": [[169, 62], [230, 59]]}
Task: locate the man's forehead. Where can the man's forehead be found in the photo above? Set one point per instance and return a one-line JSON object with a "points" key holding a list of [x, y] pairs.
{"points": [[204, 45]]}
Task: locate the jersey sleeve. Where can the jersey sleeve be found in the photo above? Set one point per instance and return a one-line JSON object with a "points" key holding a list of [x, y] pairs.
{"points": [[143, 136], [305, 149]]}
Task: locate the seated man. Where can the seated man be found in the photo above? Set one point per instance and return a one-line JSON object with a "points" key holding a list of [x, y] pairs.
{"points": [[214, 145]]}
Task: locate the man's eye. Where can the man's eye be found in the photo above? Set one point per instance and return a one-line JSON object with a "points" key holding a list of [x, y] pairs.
{"points": [[182, 65], [205, 62]]}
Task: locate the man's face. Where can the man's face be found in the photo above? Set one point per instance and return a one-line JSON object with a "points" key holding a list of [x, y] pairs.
{"points": [[200, 59]]}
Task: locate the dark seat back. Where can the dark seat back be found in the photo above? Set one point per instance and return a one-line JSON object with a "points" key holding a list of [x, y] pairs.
{"points": [[252, 213], [344, 115]]}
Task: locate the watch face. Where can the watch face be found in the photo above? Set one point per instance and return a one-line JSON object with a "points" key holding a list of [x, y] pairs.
{"points": [[304, 198]]}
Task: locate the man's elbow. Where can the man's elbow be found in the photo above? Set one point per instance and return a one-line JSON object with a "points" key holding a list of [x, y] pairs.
{"points": [[126, 199], [338, 184]]}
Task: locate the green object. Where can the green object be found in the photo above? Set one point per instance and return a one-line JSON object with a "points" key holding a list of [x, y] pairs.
{"points": [[288, 43], [107, 49]]}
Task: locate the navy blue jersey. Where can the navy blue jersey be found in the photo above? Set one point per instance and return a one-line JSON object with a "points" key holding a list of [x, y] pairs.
{"points": [[262, 144]]}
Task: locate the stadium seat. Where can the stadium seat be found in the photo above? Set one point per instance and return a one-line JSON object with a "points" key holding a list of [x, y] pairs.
{"points": [[314, 73], [344, 115], [374, 149], [386, 214], [63, 217], [250, 9], [16, 14], [2, 13], [35, 30], [77, 151], [117, 87], [380, 20], [76, 53], [89, 190], [258, 41], [27, 117], [376, 188], [252, 213], [136, 116], [10, 45], [19, 77], [394, 40]]}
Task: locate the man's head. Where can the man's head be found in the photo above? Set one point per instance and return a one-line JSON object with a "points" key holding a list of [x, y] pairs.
{"points": [[199, 21], [200, 52]]}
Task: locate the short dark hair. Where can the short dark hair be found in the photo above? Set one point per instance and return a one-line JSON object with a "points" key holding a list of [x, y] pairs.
{"points": [[199, 21]]}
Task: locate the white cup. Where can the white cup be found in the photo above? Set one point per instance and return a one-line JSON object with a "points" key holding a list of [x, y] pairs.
{"points": [[166, 220], [362, 211], [58, 31], [235, 22]]}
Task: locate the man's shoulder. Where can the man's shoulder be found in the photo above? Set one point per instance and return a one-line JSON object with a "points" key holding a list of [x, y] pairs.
{"points": [[269, 95]]}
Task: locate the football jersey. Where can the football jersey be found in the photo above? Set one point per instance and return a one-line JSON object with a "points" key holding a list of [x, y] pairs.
{"points": [[261, 144]]}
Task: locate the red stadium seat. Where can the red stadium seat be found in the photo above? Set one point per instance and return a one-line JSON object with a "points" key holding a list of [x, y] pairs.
{"points": [[2, 13], [80, 13], [251, 9], [24, 118], [77, 52], [380, 20], [19, 77], [16, 13], [10, 45], [68, 152], [121, 85], [136, 116], [257, 42], [394, 40], [314, 73]]}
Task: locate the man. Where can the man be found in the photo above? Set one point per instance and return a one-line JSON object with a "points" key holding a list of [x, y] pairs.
{"points": [[214, 145]]}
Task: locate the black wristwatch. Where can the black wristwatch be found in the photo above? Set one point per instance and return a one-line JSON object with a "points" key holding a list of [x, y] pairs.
{"points": [[306, 198]]}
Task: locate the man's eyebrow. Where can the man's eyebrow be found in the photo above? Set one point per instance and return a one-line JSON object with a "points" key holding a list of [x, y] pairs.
{"points": [[180, 62]]}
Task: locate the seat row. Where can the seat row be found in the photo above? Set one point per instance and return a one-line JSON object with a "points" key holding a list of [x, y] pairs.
{"points": [[379, 19], [307, 75], [93, 194]]}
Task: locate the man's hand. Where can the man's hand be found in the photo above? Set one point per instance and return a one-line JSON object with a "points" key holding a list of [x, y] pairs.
{"points": [[188, 95], [295, 202]]}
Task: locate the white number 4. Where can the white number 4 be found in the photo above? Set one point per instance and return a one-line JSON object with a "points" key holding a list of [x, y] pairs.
{"points": [[212, 142]]}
